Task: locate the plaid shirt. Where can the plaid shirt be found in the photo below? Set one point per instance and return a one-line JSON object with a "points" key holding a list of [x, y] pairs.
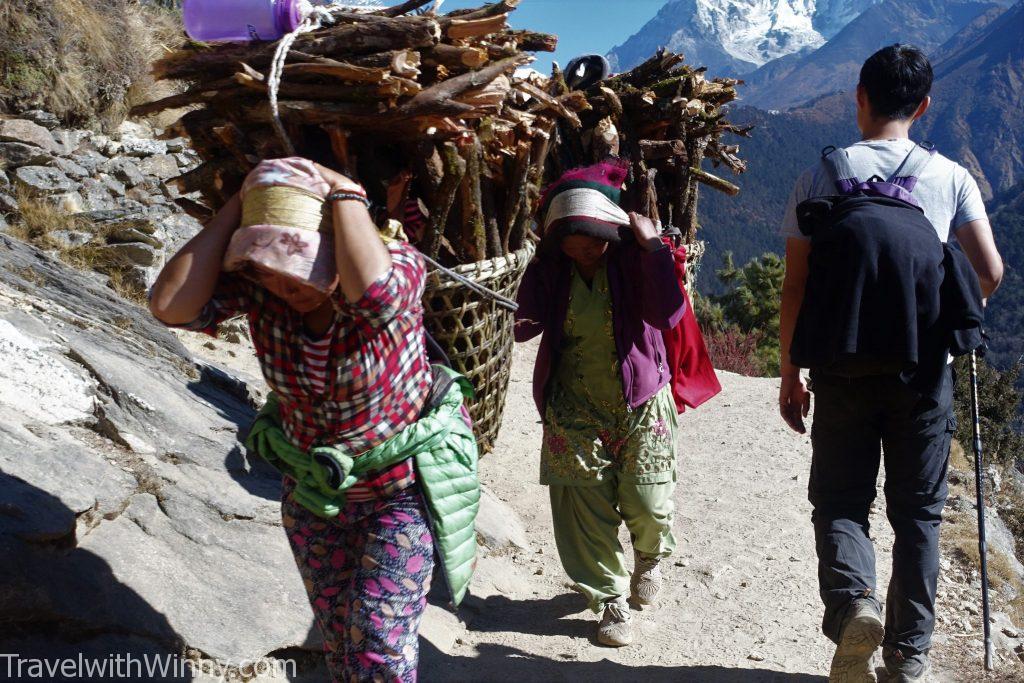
{"points": [[378, 373]]}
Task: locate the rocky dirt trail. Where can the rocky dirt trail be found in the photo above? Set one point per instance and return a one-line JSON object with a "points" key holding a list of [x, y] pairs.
{"points": [[740, 599], [739, 602]]}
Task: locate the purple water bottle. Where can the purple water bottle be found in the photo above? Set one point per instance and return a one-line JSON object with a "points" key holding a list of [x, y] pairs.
{"points": [[218, 21]]}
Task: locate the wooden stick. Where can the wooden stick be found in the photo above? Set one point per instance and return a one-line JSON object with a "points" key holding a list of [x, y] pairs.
{"points": [[373, 34], [488, 197], [488, 10], [194, 95], [404, 8], [549, 102], [429, 170], [340, 70], [474, 237], [403, 63], [454, 170], [461, 29], [234, 140], [456, 56], [517, 202], [714, 181], [341, 150], [442, 96], [661, 149], [531, 41], [373, 92]]}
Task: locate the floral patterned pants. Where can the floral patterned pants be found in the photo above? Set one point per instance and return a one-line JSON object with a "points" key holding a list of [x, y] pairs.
{"points": [[367, 573]]}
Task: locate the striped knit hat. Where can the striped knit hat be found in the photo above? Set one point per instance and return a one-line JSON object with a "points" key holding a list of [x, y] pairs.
{"points": [[585, 201]]}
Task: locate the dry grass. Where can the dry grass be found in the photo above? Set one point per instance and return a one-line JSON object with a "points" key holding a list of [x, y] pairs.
{"points": [[86, 61], [959, 459], [38, 220], [960, 537]]}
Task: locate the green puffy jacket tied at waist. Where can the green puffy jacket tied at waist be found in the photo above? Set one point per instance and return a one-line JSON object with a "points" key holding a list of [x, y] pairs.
{"points": [[443, 449]]}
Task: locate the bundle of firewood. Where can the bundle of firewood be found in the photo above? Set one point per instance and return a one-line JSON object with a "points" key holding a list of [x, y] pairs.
{"points": [[664, 116], [427, 112]]}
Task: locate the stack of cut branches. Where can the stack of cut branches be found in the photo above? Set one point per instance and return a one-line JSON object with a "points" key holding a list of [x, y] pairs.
{"points": [[427, 112], [423, 109], [664, 116]]}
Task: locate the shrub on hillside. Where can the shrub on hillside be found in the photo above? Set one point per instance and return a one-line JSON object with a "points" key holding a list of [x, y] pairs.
{"points": [[87, 61], [741, 326], [998, 408], [733, 350]]}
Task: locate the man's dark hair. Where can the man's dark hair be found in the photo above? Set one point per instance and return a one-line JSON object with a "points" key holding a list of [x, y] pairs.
{"points": [[896, 79]]}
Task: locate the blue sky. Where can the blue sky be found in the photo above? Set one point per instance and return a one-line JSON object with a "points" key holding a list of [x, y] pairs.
{"points": [[581, 25]]}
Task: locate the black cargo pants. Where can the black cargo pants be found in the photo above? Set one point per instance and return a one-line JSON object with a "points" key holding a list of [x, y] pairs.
{"points": [[855, 421]]}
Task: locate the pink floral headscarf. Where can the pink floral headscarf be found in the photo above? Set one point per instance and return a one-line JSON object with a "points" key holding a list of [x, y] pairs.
{"points": [[304, 253]]}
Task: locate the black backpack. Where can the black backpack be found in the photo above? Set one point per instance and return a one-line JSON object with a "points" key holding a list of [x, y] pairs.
{"points": [[875, 271]]}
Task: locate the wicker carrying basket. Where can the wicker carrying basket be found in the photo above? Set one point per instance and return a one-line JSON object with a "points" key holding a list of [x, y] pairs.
{"points": [[477, 334]]}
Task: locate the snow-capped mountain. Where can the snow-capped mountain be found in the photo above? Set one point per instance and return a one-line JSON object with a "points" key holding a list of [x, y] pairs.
{"points": [[798, 78], [737, 36]]}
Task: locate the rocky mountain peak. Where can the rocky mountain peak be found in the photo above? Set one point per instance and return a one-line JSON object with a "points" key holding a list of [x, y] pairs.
{"points": [[737, 36]]}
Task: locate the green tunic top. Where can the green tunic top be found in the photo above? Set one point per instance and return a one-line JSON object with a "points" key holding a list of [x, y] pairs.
{"points": [[590, 433]]}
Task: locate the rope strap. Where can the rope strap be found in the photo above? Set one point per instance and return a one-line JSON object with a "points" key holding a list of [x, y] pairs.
{"points": [[498, 299], [317, 17]]}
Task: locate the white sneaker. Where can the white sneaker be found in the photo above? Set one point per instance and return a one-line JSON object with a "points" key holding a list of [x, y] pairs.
{"points": [[616, 627], [646, 582]]}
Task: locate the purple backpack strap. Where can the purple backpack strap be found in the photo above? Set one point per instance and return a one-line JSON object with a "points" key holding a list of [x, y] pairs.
{"points": [[837, 164], [900, 186], [913, 165]]}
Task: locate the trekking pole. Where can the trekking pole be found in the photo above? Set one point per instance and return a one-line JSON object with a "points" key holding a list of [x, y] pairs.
{"points": [[980, 489]]}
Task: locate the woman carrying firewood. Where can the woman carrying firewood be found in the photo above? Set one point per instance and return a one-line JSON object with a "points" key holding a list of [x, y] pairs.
{"points": [[600, 291], [379, 462]]}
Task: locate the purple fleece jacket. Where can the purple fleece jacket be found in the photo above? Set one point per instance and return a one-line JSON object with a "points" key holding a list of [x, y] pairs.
{"points": [[646, 299]]}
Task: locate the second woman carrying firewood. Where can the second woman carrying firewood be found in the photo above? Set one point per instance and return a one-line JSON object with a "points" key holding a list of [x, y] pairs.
{"points": [[600, 292]]}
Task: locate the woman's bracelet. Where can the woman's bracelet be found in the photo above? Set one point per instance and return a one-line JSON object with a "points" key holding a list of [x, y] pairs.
{"points": [[348, 195]]}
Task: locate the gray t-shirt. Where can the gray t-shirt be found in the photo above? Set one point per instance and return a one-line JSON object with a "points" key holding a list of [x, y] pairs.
{"points": [[946, 191]]}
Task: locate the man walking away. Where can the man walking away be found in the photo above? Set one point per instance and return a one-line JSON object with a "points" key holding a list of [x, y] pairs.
{"points": [[862, 409]]}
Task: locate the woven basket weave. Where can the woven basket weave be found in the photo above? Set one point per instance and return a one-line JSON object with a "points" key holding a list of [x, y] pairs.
{"points": [[477, 334]]}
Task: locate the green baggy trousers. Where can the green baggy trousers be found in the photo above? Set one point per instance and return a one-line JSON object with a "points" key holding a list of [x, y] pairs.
{"points": [[587, 519]]}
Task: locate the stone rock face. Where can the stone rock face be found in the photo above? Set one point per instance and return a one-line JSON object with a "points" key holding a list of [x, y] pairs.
{"points": [[124, 170], [15, 154], [142, 147], [178, 229], [43, 180], [71, 169], [95, 195], [498, 525], [24, 131], [67, 141], [42, 118], [136, 253], [162, 166], [8, 204], [132, 520], [71, 238]]}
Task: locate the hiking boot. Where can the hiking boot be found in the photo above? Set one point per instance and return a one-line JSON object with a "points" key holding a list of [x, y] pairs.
{"points": [[861, 635], [646, 580], [905, 669], [616, 627]]}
